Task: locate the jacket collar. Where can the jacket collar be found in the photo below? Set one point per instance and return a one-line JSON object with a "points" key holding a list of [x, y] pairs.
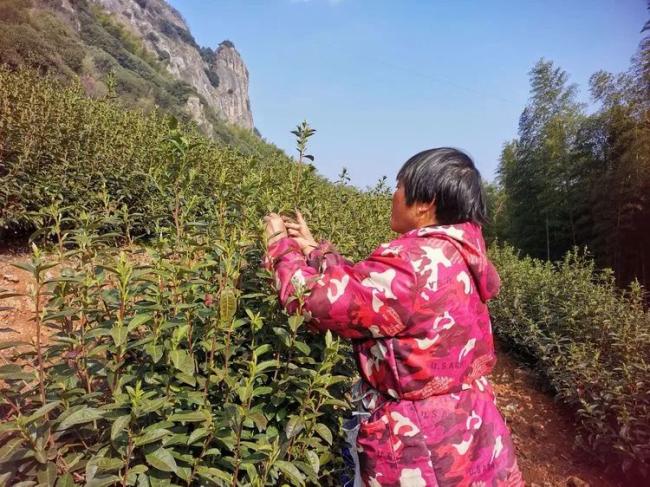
{"points": [[456, 231]]}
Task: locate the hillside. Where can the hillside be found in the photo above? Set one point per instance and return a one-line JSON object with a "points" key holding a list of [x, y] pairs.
{"points": [[140, 51]]}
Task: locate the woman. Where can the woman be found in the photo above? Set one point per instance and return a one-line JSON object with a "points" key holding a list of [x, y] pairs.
{"points": [[416, 313]]}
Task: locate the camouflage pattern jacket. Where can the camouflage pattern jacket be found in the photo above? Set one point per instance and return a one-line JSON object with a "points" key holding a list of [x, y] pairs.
{"points": [[415, 311]]}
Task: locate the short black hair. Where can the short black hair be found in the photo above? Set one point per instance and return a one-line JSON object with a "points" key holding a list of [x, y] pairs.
{"points": [[448, 177]]}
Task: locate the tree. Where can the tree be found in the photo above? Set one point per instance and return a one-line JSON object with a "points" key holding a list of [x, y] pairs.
{"points": [[538, 170]]}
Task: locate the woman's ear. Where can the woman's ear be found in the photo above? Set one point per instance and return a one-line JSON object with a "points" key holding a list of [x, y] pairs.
{"points": [[426, 208], [426, 212]]}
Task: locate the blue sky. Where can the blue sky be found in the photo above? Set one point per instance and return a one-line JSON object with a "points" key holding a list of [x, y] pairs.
{"points": [[382, 80]]}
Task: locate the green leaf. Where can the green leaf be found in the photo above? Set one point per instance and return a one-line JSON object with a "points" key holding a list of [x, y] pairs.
{"points": [[8, 426], [196, 435], [324, 432], [151, 436], [151, 405], [155, 351], [119, 425], [105, 464], [295, 321], [188, 379], [313, 459], [138, 469], [265, 365], [15, 372], [262, 391], [42, 411], [328, 339], [261, 350], [13, 344], [191, 416], [47, 475], [81, 416], [138, 320], [162, 460], [65, 480], [294, 426], [25, 483], [176, 439], [24, 266], [290, 471], [182, 361], [303, 347], [119, 334], [10, 448], [214, 474], [102, 481], [258, 419], [4, 478]]}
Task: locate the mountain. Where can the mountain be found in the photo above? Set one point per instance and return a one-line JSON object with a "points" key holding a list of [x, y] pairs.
{"points": [[141, 51]]}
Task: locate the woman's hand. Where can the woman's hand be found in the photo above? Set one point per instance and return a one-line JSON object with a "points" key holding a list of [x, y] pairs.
{"points": [[299, 231], [275, 228]]}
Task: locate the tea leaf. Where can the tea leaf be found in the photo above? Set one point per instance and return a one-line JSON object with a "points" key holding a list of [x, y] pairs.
{"points": [[42, 411], [151, 436], [81, 416], [189, 417], [294, 426], [324, 432], [138, 320], [65, 480], [182, 361], [313, 459], [47, 475], [10, 448], [119, 425], [14, 372], [162, 460], [291, 472]]}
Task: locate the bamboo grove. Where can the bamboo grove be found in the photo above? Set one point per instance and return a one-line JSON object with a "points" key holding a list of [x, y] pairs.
{"points": [[575, 178]]}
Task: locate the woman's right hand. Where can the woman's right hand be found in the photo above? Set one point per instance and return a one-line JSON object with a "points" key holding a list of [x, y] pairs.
{"points": [[299, 231]]}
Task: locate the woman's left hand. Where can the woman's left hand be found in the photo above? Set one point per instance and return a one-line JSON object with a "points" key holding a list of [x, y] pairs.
{"points": [[275, 228]]}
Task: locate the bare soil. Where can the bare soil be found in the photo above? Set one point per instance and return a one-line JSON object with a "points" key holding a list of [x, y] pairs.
{"points": [[543, 431]]}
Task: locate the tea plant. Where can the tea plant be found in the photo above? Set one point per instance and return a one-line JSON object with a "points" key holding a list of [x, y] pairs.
{"points": [[168, 365], [169, 361], [590, 341]]}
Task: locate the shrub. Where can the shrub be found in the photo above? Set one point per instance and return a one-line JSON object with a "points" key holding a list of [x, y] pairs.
{"points": [[57, 144], [169, 360], [589, 340]]}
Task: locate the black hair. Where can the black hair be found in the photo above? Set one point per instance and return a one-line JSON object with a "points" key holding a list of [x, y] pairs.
{"points": [[448, 177]]}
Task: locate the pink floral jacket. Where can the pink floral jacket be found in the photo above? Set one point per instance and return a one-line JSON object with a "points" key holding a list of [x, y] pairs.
{"points": [[416, 313]]}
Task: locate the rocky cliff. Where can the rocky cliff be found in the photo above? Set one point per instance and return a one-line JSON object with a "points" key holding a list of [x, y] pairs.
{"points": [[219, 75]]}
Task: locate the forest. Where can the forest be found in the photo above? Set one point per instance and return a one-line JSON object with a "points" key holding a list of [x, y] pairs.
{"points": [[576, 177]]}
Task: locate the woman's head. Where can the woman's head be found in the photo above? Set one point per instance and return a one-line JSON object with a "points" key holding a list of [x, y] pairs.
{"points": [[437, 186]]}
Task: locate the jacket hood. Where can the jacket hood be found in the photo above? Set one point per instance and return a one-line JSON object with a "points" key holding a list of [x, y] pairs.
{"points": [[468, 240]]}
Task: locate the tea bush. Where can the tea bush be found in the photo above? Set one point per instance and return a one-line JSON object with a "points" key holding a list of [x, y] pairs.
{"points": [[168, 365], [169, 361], [589, 340], [57, 145]]}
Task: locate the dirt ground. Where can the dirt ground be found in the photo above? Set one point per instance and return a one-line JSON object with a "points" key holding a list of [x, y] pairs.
{"points": [[543, 432]]}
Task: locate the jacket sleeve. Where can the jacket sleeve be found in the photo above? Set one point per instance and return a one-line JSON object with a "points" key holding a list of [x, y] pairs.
{"points": [[353, 300]]}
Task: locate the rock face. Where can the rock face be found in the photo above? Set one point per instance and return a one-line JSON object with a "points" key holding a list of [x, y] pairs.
{"points": [[233, 85], [219, 76]]}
